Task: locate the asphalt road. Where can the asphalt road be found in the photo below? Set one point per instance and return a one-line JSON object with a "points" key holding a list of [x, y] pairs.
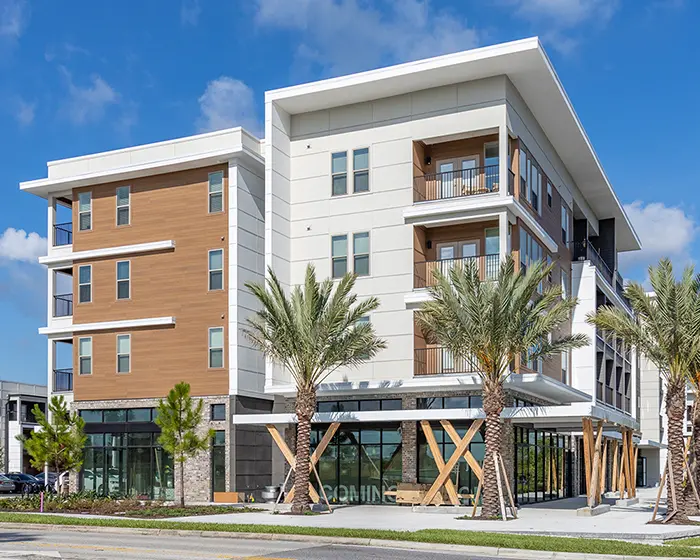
{"points": [[38, 545]]}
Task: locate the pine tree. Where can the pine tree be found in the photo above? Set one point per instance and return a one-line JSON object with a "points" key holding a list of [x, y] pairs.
{"points": [[60, 441], [179, 417]]}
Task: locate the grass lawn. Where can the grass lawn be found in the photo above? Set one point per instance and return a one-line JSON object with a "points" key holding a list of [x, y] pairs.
{"points": [[472, 538], [692, 541], [159, 512]]}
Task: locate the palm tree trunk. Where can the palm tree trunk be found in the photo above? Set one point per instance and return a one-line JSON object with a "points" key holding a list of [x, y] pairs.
{"points": [[494, 401], [675, 412], [305, 408]]}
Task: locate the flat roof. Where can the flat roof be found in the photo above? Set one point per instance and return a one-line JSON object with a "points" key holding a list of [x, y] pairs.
{"points": [[189, 152], [529, 69]]}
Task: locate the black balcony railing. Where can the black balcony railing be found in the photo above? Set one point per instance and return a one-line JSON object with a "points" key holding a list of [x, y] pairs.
{"points": [[424, 272], [454, 184], [62, 234], [63, 380], [437, 361], [63, 305], [584, 250]]}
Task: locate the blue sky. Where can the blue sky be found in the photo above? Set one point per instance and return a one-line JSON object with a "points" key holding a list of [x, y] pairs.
{"points": [[84, 76]]}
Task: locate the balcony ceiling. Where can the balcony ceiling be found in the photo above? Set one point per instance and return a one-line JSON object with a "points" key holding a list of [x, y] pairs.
{"points": [[528, 68]]}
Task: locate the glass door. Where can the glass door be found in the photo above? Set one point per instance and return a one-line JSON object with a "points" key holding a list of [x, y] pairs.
{"points": [[446, 179], [470, 177]]}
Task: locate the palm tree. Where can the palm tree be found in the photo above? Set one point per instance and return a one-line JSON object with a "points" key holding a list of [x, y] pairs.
{"points": [[489, 324], [667, 331], [311, 333]]}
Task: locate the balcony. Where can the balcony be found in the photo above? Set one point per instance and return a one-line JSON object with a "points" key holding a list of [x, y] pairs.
{"points": [[437, 360], [424, 277], [63, 380], [584, 250], [62, 234], [455, 184], [63, 305]]}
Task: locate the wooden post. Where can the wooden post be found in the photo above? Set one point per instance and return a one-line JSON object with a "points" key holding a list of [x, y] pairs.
{"points": [[586, 436], [628, 465], [500, 487], [662, 483], [477, 496], [623, 466], [634, 470], [604, 467], [439, 461], [614, 474], [454, 436], [671, 490], [692, 481], [594, 488], [510, 494], [289, 456]]}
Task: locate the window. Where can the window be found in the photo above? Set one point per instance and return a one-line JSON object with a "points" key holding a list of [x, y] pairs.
{"points": [[564, 225], [85, 211], [216, 192], [523, 171], [123, 353], [85, 355], [218, 461], [549, 276], [362, 321], [140, 414], [85, 283], [339, 173], [216, 269], [549, 194], [360, 170], [530, 252], [360, 253], [564, 284], [123, 206], [339, 255], [123, 280], [565, 366], [12, 411], [216, 347], [218, 412]]}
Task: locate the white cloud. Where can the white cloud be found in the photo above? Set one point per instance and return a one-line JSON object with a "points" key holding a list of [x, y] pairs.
{"points": [[190, 11], [14, 16], [664, 232], [343, 36], [227, 102], [88, 103], [25, 112], [560, 18], [18, 245]]}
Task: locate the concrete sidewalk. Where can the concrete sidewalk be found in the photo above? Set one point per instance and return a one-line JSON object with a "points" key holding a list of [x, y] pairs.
{"points": [[554, 518]]}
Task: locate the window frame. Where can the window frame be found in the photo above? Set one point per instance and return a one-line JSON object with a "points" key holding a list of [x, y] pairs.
{"points": [[338, 174], [81, 284], [81, 212], [367, 254], [211, 412], [128, 355], [565, 220], [334, 258], [128, 280], [362, 170], [210, 348], [210, 270], [210, 193], [127, 205], [564, 279], [550, 193], [86, 356]]}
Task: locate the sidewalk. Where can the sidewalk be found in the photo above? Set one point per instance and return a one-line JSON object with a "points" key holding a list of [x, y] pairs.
{"points": [[554, 519]]}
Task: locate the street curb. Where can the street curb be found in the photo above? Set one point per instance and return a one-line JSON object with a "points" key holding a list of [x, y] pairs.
{"points": [[352, 541]]}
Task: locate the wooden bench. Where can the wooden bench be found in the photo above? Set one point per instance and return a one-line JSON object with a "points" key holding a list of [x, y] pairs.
{"points": [[413, 494]]}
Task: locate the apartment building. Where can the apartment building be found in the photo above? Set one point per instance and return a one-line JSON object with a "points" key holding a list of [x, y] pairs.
{"points": [[17, 418], [397, 172], [149, 250]]}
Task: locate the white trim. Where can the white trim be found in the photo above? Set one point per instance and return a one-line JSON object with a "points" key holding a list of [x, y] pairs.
{"points": [[128, 335], [109, 325], [69, 258], [210, 270], [117, 280], [209, 192]]}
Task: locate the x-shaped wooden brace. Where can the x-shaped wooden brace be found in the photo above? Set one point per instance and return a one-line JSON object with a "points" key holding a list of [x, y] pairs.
{"points": [[315, 456], [445, 469]]}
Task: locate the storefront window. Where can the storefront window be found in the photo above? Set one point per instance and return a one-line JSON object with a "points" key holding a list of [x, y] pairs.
{"points": [[218, 461], [542, 466]]}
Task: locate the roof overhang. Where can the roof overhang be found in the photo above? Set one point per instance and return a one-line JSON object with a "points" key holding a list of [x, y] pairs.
{"points": [[527, 66], [191, 152], [534, 384]]}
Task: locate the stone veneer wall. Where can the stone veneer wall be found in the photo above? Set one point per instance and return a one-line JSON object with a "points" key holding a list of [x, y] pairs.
{"points": [[198, 482]]}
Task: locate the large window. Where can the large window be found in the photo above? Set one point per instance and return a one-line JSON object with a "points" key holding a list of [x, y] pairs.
{"points": [[123, 280], [565, 237], [85, 211], [360, 253], [218, 461], [467, 401], [218, 411], [339, 255], [85, 355], [85, 283], [531, 180], [216, 269], [354, 406], [530, 251], [339, 173], [123, 206], [360, 170], [216, 347], [123, 353], [216, 192], [542, 466]]}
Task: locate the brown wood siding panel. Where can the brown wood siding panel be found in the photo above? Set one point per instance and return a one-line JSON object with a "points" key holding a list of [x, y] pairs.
{"points": [[457, 148], [165, 283], [459, 232]]}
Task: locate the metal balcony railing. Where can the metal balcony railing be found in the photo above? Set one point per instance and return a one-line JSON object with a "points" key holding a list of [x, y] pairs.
{"points": [[437, 361], [62, 234], [63, 305], [424, 272], [454, 184], [63, 380], [585, 250]]}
